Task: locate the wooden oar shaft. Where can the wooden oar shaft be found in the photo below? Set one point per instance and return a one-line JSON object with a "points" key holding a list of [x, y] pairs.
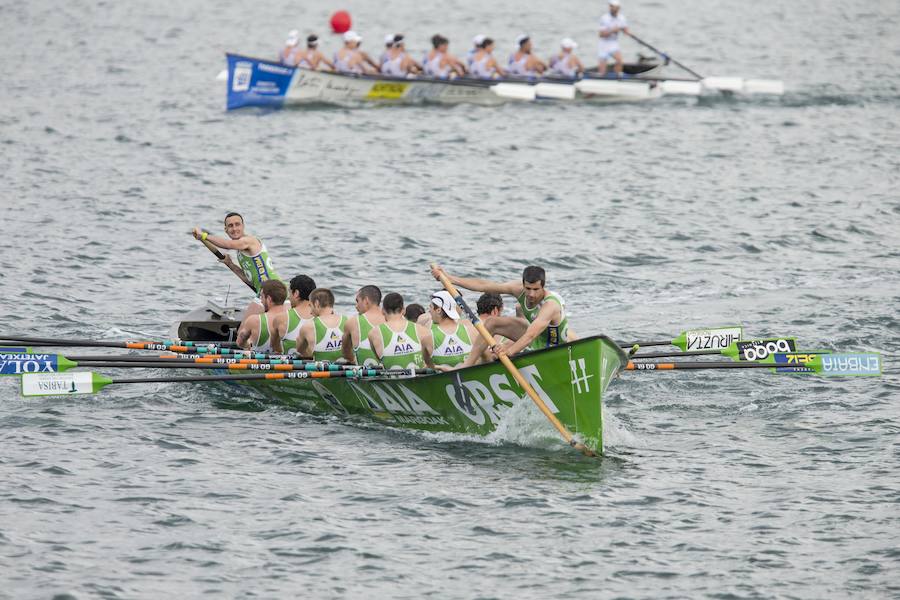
{"points": [[516, 374]]}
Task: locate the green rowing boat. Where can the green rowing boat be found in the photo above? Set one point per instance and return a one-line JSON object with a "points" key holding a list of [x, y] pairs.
{"points": [[571, 379]]}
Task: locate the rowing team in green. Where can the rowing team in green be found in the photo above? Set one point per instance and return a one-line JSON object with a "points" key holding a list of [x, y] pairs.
{"points": [[300, 318]]}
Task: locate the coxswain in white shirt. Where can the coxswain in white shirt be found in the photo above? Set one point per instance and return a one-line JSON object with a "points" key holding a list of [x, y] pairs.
{"points": [[312, 57], [566, 64], [611, 24], [477, 44], [439, 63], [522, 62], [399, 63], [350, 59], [484, 65], [288, 54]]}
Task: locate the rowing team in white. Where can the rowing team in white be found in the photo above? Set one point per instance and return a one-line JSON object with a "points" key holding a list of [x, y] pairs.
{"points": [[299, 318], [479, 62]]}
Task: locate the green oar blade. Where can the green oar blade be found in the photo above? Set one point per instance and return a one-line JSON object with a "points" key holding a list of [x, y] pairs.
{"points": [[717, 338], [759, 349], [63, 384], [17, 363]]}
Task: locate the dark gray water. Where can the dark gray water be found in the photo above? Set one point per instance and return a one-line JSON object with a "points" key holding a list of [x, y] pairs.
{"points": [[780, 214]]}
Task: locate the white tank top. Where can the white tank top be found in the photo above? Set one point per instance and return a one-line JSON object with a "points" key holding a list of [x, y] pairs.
{"points": [[479, 67], [562, 65], [394, 66], [342, 62], [293, 333], [433, 67], [288, 57], [517, 67]]}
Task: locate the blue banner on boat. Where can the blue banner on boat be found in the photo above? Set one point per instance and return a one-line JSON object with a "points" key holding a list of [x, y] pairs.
{"points": [[254, 82], [14, 363]]}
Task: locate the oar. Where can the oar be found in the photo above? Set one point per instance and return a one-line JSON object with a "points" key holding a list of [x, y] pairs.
{"points": [[742, 350], [86, 382], [523, 383], [169, 345], [711, 338], [215, 250], [831, 365], [663, 55]]}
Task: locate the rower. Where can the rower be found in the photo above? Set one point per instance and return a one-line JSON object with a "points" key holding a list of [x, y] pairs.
{"points": [[477, 44], [356, 347], [398, 343], [522, 62], [388, 44], [399, 63], [608, 47], [439, 63], [566, 64], [312, 57], [544, 324], [413, 312], [322, 337], [300, 311], [288, 54], [254, 265], [484, 65], [452, 335], [491, 305], [350, 59], [264, 332]]}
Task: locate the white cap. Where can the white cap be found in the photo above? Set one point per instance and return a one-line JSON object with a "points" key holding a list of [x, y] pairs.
{"points": [[293, 38], [445, 302], [522, 38], [478, 39], [389, 39], [615, 3], [352, 36], [568, 44]]}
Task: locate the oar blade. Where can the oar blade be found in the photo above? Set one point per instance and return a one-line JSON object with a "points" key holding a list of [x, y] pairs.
{"points": [[724, 84], [681, 88], [514, 91], [764, 86], [716, 338], [555, 91], [62, 384], [18, 363], [759, 349], [863, 364]]}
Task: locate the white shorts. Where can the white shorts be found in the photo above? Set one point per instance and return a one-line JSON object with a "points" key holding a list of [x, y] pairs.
{"points": [[606, 49]]}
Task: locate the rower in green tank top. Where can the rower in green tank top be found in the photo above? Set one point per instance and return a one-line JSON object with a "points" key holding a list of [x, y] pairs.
{"points": [[452, 335], [544, 324], [254, 265], [265, 332], [356, 345], [399, 343], [300, 312], [322, 337]]}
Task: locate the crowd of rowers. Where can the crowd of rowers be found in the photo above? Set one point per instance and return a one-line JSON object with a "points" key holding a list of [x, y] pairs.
{"points": [[300, 319], [439, 63]]}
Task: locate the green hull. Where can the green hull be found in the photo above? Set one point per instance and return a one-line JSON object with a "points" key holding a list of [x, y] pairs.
{"points": [[571, 379]]}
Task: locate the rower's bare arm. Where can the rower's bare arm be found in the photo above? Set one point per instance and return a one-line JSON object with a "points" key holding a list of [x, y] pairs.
{"points": [[326, 61], [513, 288], [306, 339], [376, 343], [571, 336], [243, 336], [545, 316], [277, 347], [427, 345], [347, 341]]}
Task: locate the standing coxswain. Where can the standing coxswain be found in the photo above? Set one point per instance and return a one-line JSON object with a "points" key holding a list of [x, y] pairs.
{"points": [[350, 59], [264, 332], [566, 64], [254, 265], [522, 62], [611, 24], [544, 323]]}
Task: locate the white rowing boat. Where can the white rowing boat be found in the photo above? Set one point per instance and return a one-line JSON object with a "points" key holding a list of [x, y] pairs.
{"points": [[259, 82]]}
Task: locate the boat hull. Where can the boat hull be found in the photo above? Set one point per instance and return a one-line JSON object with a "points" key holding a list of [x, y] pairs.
{"points": [[570, 379], [262, 83]]}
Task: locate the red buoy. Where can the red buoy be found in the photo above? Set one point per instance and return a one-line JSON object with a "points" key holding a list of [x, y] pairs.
{"points": [[340, 21]]}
